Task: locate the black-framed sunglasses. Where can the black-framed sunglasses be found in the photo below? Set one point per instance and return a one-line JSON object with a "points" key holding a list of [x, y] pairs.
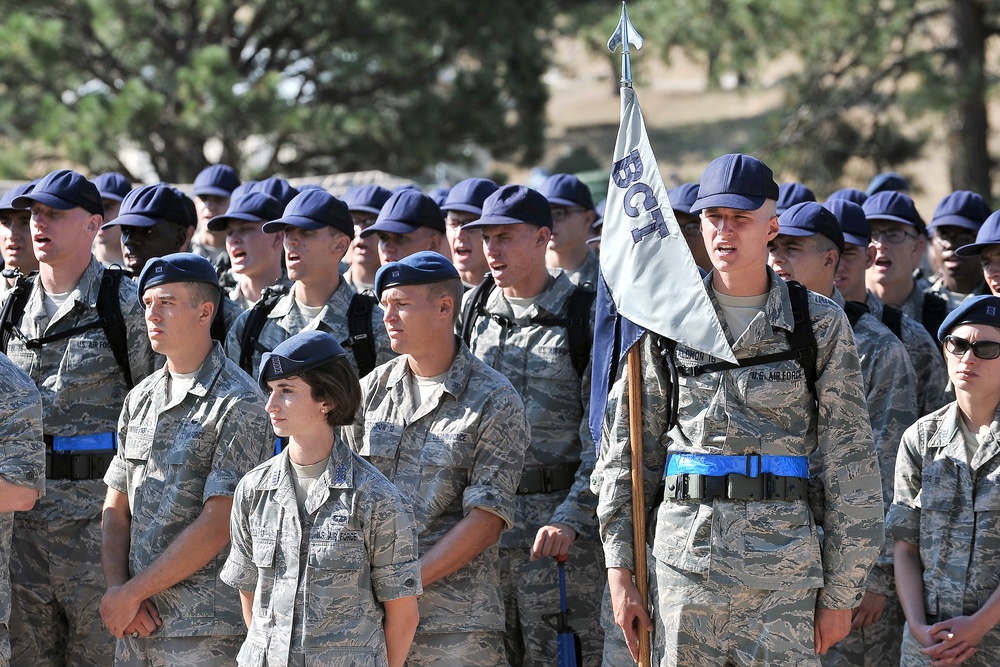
{"points": [[984, 349]]}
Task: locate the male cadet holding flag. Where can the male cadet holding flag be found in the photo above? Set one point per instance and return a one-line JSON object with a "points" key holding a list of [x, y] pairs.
{"points": [[523, 329], [186, 436], [55, 554], [450, 433], [740, 577], [807, 249]]}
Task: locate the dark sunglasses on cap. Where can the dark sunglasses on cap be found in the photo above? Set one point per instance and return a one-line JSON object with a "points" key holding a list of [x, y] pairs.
{"points": [[984, 349]]}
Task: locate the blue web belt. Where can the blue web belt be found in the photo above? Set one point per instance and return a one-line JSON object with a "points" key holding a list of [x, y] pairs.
{"points": [[85, 443], [719, 465]]}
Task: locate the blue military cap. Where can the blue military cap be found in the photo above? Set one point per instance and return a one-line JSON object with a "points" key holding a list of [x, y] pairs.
{"points": [[302, 352], [512, 205], [468, 196], [419, 268], [314, 209], [7, 201], [682, 197], [984, 309], [251, 207], [961, 208], [219, 180], [112, 185], [63, 189], [439, 195], [988, 234], [302, 187], [405, 186], [852, 221], [792, 193], [179, 267], [406, 211], [887, 181], [276, 187], [599, 220], [566, 190], [243, 188], [809, 219], [366, 198], [894, 206], [850, 194], [735, 181], [148, 205]]}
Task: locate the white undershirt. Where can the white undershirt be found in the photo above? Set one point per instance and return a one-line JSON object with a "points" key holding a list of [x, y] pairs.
{"points": [[521, 304], [178, 384], [739, 311], [53, 302], [423, 387], [310, 313]]}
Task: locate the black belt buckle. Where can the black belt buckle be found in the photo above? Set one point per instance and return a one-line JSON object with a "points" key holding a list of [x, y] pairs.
{"points": [[742, 487]]}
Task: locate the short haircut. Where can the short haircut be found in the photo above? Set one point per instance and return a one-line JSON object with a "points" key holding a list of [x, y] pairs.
{"points": [[200, 292], [451, 287], [335, 381]]}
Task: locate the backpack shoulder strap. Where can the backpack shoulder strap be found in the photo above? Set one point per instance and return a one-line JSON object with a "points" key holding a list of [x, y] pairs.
{"points": [[361, 336], [801, 337], [892, 317], [578, 328], [256, 318], [933, 310], [218, 328], [14, 304], [109, 310], [855, 311], [475, 306]]}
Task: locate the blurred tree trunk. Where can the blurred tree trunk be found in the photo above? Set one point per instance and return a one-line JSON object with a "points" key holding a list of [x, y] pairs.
{"points": [[968, 125]]}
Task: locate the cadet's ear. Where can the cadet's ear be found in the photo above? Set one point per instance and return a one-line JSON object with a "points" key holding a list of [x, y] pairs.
{"points": [[543, 235], [772, 227], [831, 257], [870, 257]]}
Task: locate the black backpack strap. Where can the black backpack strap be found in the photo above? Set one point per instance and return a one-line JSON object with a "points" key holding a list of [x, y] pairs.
{"points": [[218, 328], [854, 312], [109, 309], [578, 328], [933, 311], [801, 343], [892, 317], [475, 306], [361, 337], [14, 304], [256, 318]]}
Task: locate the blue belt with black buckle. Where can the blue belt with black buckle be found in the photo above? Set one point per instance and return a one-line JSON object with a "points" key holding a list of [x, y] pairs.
{"points": [[79, 457], [708, 477], [85, 443]]}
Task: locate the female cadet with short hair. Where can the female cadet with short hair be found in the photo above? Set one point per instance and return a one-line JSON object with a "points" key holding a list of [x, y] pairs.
{"points": [[323, 549]]}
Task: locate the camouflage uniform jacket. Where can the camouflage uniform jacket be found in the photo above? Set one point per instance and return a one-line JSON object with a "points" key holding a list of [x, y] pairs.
{"points": [[236, 295], [462, 449], [173, 457], [286, 320], [23, 461], [953, 518], [318, 579], [81, 384], [890, 385], [955, 299], [764, 409], [925, 355], [586, 272], [536, 360]]}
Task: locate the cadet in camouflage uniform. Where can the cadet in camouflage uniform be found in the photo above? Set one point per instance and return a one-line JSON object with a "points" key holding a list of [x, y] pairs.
{"points": [[809, 248], [740, 577], [572, 216], [15, 236], [55, 555], [955, 223], [213, 187], [22, 471], [450, 433], [987, 250], [555, 507], [944, 513], [187, 434], [408, 222], [318, 230], [324, 550]]}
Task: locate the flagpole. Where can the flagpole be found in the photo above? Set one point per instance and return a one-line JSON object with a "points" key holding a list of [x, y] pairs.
{"points": [[625, 34]]}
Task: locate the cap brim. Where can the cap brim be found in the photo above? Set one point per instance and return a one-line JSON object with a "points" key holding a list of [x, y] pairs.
{"points": [[891, 218], [132, 220], [302, 222], [485, 221], [111, 195], [856, 240], [464, 208], [954, 221], [220, 222], [797, 231], [210, 191], [569, 203], [361, 208], [728, 200], [390, 227], [974, 249], [50, 200]]}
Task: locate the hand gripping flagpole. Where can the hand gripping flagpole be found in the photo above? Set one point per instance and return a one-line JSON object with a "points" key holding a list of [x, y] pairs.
{"points": [[625, 34]]}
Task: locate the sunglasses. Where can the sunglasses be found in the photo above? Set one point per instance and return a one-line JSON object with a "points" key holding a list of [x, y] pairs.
{"points": [[984, 349]]}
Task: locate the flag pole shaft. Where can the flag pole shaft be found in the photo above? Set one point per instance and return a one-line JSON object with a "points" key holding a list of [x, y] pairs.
{"points": [[638, 493]]}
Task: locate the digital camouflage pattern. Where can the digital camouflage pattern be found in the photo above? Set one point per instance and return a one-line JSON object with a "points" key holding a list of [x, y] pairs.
{"points": [[587, 272], [286, 320], [925, 355], [171, 651], [55, 556], [172, 457], [22, 464], [770, 545], [457, 649], [948, 506], [355, 547], [536, 360], [461, 449]]}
